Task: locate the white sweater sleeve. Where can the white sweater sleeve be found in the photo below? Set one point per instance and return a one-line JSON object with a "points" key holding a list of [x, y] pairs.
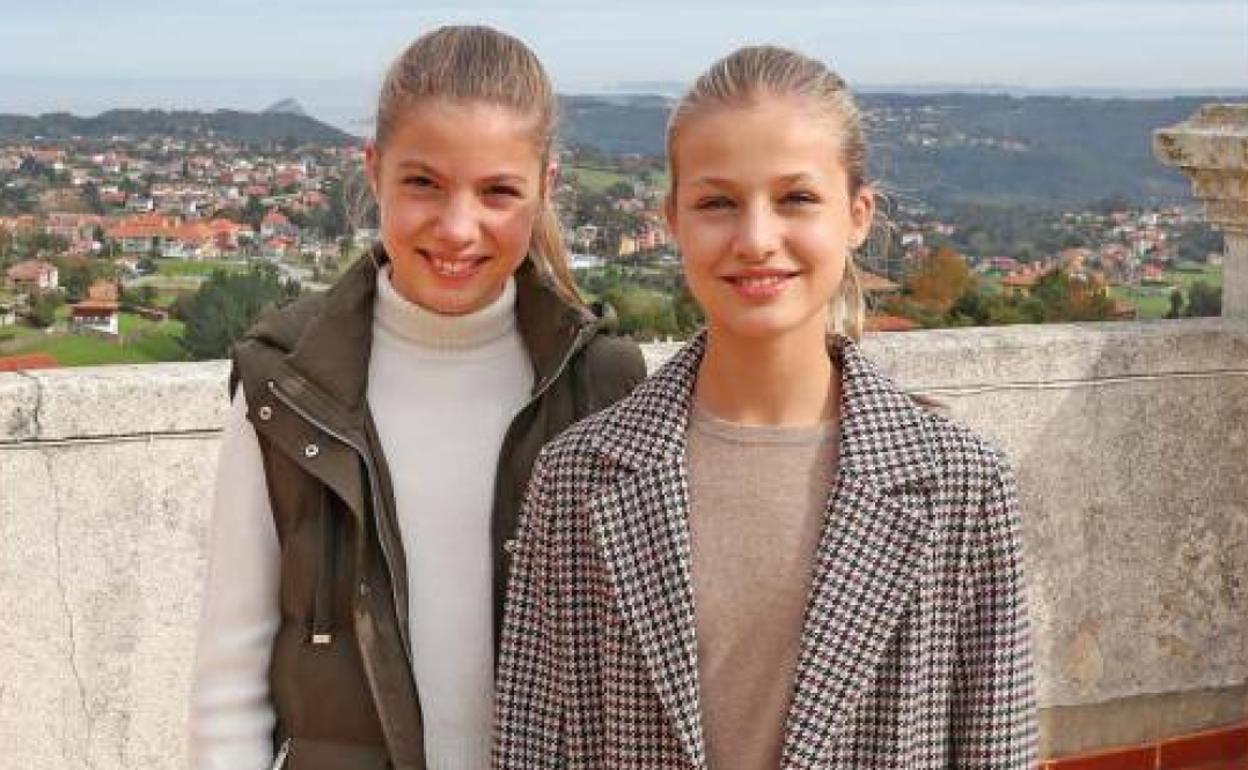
{"points": [[231, 714]]}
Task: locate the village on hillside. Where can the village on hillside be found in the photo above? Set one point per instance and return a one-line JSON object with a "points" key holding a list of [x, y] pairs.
{"points": [[112, 250]]}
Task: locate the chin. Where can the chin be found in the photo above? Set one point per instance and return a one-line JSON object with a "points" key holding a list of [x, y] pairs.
{"points": [[768, 325]]}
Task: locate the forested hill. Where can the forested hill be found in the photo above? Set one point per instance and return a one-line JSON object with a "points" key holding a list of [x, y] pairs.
{"points": [[963, 148], [246, 127]]}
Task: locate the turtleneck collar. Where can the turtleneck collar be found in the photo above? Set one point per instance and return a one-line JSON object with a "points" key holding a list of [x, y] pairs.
{"points": [[404, 318]]}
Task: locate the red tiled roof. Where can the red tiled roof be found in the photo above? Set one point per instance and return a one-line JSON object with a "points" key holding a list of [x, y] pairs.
{"points": [[1022, 280], [94, 307], [27, 361], [144, 226], [30, 270], [102, 291]]}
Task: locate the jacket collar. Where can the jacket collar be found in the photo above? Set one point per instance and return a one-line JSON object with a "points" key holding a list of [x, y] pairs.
{"points": [[884, 436], [333, 351]]}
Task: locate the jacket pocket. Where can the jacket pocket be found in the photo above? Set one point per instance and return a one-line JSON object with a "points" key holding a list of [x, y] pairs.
{"points": [[310, 754]]}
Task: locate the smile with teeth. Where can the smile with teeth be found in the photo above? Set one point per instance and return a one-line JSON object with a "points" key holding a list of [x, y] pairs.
{"points": [[759, 281], [453, 268], [760, 286]]}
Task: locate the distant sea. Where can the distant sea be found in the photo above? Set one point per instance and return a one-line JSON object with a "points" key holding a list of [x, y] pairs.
{"points": [[349, 103], [346, 104]]}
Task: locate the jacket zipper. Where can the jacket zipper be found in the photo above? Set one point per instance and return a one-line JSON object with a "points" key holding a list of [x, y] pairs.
{"points": [[533, 399], [375, 493], [280, 760], [563, 364], [370, 468]]}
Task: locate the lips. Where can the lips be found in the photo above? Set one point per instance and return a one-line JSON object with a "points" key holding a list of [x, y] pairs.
{"points": [[760, 285], [453, 268]]}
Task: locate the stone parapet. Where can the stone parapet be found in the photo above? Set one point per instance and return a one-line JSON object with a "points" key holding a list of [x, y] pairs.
{"points": [[1128, 441]]}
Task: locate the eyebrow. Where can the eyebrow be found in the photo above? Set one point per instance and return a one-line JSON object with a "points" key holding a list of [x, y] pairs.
{"points": [[786, 179], [416, 165]]}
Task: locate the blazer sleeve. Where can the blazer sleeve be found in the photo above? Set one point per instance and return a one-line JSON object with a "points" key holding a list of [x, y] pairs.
{"points": [[993, 703], [532, 664]]}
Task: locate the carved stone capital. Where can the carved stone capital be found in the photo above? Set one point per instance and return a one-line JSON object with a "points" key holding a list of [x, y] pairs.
{"points": [[1211, 147]]}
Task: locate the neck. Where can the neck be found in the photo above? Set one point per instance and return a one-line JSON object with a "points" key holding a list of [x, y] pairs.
{"points": [[784, 380]]}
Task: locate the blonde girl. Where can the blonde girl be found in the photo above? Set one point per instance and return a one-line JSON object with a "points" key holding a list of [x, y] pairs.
{"points": [[384, 431], [768, 556]]}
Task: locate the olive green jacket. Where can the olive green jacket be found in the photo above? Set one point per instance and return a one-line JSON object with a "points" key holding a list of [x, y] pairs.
{"points": [[341, 675]]}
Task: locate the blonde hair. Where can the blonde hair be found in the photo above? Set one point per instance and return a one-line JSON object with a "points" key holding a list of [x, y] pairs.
{"points": [[749, 73], [476, 63]]}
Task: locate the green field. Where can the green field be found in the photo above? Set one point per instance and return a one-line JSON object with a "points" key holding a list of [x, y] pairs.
{"points": [[145, 342], [596, 179], [181, 268], [1210, 274], [1152, 302]]}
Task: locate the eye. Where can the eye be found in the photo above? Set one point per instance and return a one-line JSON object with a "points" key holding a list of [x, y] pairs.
{"points": [[419, 181], [713, 203], [799, 198], [504, 190]]}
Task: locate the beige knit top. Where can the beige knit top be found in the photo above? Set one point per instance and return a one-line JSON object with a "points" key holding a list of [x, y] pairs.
{"points": [[758, 500]]}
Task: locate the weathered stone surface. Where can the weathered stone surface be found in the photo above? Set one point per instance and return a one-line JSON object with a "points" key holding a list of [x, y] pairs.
{"points": [[101, 401], [19, 407], [101, 555], [1129, 442]]}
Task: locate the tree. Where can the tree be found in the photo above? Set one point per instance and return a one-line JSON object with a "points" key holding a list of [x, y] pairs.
{"points": [[1204, 300], [42, 307], [620, 191], [77, 274], [226, 305], [142, 296], [1176, 304], [91, 197], [253, 212], [1067, 299], [940, 281]]}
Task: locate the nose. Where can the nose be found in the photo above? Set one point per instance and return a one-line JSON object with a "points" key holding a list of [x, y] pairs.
{"points": [[457, 222], [757, 234]]}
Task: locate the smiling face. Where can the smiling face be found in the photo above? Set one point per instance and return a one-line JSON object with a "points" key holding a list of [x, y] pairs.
{"points": [[764, 216], [458, 189]]}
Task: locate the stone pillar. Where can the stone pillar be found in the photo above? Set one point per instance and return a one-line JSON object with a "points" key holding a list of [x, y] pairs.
{"points": [[1211, 147]]}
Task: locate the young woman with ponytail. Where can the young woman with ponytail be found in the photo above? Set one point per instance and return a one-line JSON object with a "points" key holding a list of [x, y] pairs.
{"points": [[383, 434], [768, 556]]}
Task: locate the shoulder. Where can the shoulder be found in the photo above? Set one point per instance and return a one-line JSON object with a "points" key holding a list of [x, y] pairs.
{"points": [[609, 360], [274, 334], [282, 327], [975, 483], [960, 452]]}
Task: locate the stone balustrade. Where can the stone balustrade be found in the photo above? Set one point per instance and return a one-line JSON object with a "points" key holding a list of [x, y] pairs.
{"points": [[1129, 442]]}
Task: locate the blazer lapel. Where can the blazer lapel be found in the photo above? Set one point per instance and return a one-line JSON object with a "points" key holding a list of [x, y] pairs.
{"points": [[641, 524], [869, 558]]}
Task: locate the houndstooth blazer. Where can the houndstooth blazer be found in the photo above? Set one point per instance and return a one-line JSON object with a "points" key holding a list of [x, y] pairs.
{"points": [[915, 649]]}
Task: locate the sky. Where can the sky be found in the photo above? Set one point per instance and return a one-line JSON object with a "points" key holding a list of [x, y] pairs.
{"points": [[85, 56]]}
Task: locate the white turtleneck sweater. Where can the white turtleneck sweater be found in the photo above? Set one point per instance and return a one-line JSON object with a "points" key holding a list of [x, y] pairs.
{"points": [[442, 390]]}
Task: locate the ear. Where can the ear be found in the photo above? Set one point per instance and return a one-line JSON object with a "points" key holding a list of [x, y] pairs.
{"points": [[372, 166], [669, 212], [862, 213], [550, 179]]}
